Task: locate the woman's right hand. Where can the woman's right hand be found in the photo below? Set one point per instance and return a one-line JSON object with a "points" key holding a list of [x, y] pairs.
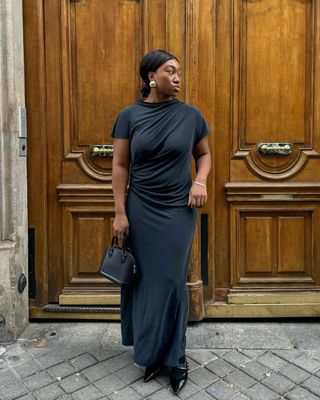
{"points": [[120, 225]]}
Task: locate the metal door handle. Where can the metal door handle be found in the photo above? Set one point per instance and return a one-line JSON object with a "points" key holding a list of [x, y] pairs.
{"points": [[102, 150], [275, 149]]}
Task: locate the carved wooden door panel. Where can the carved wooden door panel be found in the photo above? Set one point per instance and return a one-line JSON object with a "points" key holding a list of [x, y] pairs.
{"points": [[268, 138], [96, 53], [82, 60]]}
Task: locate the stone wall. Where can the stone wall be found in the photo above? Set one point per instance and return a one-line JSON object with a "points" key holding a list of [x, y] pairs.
{"points": [[13, 176]]}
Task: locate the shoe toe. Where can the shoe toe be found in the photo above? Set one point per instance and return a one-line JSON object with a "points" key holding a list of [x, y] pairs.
{"points": [[177, 386], [178, 378], [151, 372]]}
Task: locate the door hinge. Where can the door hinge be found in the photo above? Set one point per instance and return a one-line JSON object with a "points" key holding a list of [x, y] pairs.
{"points": [[22, 124]]}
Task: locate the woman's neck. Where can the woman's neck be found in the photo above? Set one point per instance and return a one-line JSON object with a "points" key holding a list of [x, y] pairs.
{"points": [[156, 98]]}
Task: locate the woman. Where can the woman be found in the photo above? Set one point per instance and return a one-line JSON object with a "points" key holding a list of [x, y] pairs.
{"points": [[154, 140]]}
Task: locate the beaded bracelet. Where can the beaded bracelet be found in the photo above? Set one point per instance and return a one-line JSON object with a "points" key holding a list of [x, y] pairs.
{"points": [[199, 183]]}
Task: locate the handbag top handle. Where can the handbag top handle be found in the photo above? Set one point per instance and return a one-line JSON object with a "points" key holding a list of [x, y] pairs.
{"points": [[114, 241]]}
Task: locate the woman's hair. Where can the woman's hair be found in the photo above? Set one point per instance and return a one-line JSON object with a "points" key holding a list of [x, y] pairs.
{"points": [[150, 63]]}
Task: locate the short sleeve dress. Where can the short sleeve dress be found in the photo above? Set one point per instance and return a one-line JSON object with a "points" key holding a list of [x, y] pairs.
{"points": [[154, 310]]}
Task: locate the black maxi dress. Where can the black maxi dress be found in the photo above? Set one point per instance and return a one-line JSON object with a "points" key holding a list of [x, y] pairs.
{"points": [[154, 310]]}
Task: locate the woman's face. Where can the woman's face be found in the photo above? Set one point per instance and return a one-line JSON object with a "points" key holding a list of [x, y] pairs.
{"points": [[167, 77]]}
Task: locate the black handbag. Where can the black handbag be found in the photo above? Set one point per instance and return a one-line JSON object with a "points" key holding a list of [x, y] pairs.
{"points": [[118, 263]]}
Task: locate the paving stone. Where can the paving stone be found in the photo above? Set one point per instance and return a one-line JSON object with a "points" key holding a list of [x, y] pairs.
{"points": [[307, 363], [146, 388], [27, 397], [278, 383], [11, 346], [28, 368], [202, 377], [36, 352], [16, 357], [301, 394], [163, 394], [13, 391], [312, 384], [295, 374], [69, 353], [89, 392], [51, 392], [222, 391], [240, 380], [253, 353], [7, 376], [272, 361], [37, 380], [103, 369], [313, 354], [51, 359], [201, 356], [240, 397], [288, 355], [220, 352], [3, 350], [115, 363], [95, 372], [192, 364], [83, 361], [124, 394], [73, 382], [201, 396], [236, 358], [220, 367], [109, 384], [61, 370], [3, 365], [259, 391], [129, 353], [104, 354], [130, 373], [255, 370]]}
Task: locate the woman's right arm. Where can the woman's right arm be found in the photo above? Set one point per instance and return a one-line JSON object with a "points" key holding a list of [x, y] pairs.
{"points": [[120, 178]]}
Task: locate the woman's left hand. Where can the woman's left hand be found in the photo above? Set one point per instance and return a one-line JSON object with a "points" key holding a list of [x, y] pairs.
{"points": [[197, 196]]}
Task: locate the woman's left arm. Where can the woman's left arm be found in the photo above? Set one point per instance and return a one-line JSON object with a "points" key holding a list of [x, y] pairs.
{"points": [[198, 192]]}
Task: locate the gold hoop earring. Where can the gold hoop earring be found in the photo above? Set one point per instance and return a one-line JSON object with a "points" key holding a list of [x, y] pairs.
{"points": [[153, 84]]}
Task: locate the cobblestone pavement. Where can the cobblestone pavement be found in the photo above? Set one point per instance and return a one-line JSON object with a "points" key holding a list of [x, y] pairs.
{"points": [[83, 361]]}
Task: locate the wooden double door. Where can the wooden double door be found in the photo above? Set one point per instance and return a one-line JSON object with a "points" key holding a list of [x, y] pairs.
{"points": [[253, 69]]}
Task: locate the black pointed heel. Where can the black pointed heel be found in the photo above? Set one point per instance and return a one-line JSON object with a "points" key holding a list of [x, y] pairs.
{"points": [[179, 376], [152, 371]]}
